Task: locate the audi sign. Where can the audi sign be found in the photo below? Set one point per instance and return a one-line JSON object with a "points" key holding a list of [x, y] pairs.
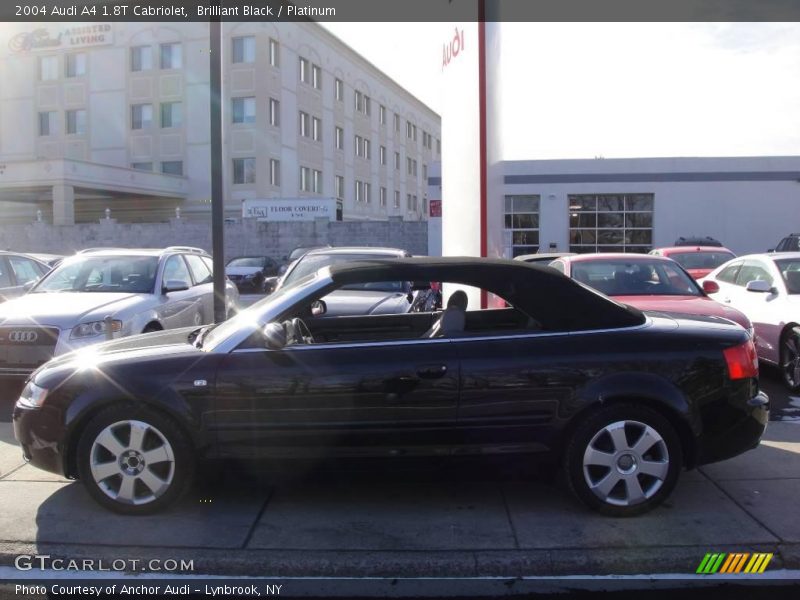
{"points": [[21, 336]]}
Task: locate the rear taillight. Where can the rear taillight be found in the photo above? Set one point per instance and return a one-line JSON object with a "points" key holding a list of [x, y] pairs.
{"points": [[742, 361]]}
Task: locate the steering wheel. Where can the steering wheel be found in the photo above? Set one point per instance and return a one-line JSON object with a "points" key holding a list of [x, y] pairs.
{"points": [[302, 334]]}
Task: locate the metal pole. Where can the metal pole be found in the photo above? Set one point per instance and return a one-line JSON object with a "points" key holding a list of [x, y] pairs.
{"points": [[217, 200]]}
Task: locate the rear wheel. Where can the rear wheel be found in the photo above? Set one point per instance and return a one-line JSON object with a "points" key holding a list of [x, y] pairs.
{"points": [[790, 359], [134, 460], [623, 460]]}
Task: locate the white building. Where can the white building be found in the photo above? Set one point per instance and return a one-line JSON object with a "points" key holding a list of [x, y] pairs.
{"points": [[633, 205], [116, 115]]}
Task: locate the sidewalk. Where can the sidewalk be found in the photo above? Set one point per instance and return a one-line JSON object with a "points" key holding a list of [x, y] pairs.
{"points": [[436, 527]]}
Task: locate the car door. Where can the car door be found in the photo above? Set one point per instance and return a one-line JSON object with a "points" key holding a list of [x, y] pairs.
{"points": [[203, 285], [726, 279], [179, 308], [760, 307], [338, 399]]}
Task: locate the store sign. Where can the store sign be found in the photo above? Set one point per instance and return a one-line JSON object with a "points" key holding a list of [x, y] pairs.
{"points": [[299, 209], [435, 208], [62, 37]]}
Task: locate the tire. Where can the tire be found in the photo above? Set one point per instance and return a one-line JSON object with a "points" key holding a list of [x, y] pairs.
{"points": [[140, 486], [790, 359], [596, 452]]}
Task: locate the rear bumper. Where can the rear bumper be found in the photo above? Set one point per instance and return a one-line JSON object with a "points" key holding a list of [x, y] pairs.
{"points": [[741, 435]]}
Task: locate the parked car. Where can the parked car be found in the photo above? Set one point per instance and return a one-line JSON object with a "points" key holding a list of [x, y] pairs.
{"points": [[624, 401], [17, 273], [544, 258], [296, 254], [698, 241], [51, 260], [698, 261], [651, 283], [252, 273], [377, 297], [766, 287], [103, 294], [791, 243]]}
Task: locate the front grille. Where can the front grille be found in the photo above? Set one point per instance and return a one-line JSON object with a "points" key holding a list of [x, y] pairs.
{"points": [[26, 346]]}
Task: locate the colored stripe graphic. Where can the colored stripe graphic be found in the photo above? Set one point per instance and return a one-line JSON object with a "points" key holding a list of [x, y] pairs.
{"points": [[720, 562], [758, 563], [711, 563]]}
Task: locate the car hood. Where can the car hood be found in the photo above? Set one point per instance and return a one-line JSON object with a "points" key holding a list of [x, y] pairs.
{"points": [[64, 309], [365, 302], [687, 305], [241, 270]]}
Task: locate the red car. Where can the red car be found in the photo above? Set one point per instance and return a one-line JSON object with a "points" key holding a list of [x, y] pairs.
{"points": [[699, 261], [648, 283]]}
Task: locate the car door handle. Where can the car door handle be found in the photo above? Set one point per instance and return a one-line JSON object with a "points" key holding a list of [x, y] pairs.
{"points": [[726, 300], [432, 371]]}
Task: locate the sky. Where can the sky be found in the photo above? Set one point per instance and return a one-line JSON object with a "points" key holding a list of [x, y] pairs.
{"points": [[583, 90]]}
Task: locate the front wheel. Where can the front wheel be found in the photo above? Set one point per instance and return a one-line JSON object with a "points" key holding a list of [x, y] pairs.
{"points": [[623, 460], [790, 359], [134, 460]]}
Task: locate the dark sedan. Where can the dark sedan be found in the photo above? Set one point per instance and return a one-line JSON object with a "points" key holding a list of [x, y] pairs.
{"points": [[253, 273], [624, 401]]}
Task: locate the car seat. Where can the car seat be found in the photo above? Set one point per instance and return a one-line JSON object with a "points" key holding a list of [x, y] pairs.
{"points": [[453, 318]]}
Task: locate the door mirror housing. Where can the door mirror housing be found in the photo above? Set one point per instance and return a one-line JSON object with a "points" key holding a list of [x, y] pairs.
{"points": [[710, 286], [759, 286], [175, 285], [274, 336], [318, 308]]}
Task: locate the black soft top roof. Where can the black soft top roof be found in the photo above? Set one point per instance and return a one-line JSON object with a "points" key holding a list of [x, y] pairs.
{"points": [[557, 302]]}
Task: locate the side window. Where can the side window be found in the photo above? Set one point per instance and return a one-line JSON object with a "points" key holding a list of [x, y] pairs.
{"points": [[557, 265], [752, 271], [5, 279], [728, 274], [200, 270], [25, 270], [175, 270]]}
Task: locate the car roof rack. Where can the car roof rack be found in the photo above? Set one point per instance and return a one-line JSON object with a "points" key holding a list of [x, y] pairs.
{"points": [[190, 249]]}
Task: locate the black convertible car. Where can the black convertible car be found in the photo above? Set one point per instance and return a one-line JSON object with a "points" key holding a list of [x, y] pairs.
{"points": [[622, 399]]}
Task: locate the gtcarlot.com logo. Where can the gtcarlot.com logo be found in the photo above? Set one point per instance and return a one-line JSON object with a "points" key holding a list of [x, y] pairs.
{"points": [[42, 562], [735, 562]]}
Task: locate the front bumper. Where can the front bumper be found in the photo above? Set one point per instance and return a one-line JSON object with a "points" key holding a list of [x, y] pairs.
{"points": [[41, 434], [739, 435]]}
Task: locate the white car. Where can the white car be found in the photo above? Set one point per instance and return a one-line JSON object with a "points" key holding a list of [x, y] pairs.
{"points": [[766, 288]]}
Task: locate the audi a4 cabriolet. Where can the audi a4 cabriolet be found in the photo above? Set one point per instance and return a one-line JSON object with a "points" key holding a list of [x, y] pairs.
{"points": [[624, 401]]}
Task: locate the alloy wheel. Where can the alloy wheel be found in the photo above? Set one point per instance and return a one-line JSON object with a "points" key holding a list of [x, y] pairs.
{"points": [[790, 360], [132, 462], [626, 463]]}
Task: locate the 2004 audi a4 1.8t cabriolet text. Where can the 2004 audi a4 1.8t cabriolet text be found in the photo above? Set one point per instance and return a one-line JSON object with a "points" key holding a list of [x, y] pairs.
{"points": [[623, 400]]}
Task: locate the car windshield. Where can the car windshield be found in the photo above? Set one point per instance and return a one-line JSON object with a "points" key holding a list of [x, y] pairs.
{"points": [[635, 278], [247, 261], [701, 260], [790, 271], [127, 274], [313, 262]]}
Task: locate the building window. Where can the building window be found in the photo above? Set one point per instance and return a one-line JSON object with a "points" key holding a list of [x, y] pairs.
{"points": [[338, 89], [75, 65], [396, 122], [414, 132], [47, 123], [367, 149], [359, 188], [274, 112], [408, 129], [382, 154], [383, 197], [438, 146], [382, 114], [305, 124], [367, 106], [339, 138], [76, 122], [367, 192], [274, 53], [316, 129], [396, 161], [305, 179], [359, 101], [610, 222], [171, 114], [48, 68], [396, 199], [141, 116], [244, 49], [408, 166], [414, 203], [244, 170], [359, 145], [142, 166], [339, 184], [408, 202], [316, 181], [521, 235], [274, 172], [244, 110], [316, 76], [171, 56], [305, 68], [414, 167], [141, 58], [172, 167]]}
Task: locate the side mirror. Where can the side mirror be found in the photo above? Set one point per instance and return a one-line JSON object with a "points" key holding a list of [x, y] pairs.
{"points": [[274, 336], [759, 286], [28, 285], [771, 250], [710, 287], [318, 308], [175, 285]]}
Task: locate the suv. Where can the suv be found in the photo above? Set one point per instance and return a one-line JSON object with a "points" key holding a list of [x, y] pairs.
{"points": [[791, 243], [103, 294]]}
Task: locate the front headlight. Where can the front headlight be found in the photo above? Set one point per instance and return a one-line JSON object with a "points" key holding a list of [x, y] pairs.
{"points": [[32, 396], [95, 328]]}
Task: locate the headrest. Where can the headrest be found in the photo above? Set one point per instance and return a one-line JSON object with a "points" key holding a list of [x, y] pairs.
{"points": [[458, 299]]}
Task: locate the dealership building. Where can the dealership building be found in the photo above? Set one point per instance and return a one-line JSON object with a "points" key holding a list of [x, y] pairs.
{"points": [[116, 116], [634, 205]]}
